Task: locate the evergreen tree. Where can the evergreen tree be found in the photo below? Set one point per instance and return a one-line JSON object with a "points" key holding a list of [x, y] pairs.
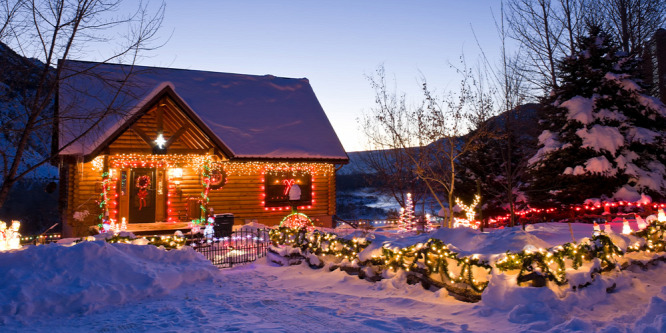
{"points": [[499, 164], [602, 137]]}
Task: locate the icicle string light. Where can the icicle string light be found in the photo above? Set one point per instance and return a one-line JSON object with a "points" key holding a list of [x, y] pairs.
{"points": [[198, 161]]}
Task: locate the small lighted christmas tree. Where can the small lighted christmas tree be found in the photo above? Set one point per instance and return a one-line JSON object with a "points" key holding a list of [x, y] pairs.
{"points": [[429, 224], [407, 220]]}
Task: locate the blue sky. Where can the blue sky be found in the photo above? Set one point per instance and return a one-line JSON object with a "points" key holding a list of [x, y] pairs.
{"points": [[334, 44]]}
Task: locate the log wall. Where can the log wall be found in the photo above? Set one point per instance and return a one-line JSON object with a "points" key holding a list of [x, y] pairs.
{"points": [[241, 196]]}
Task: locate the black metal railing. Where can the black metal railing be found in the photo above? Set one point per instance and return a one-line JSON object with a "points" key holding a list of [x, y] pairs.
{"points": [[239, 247]]}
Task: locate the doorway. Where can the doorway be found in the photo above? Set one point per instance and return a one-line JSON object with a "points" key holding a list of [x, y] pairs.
{"points": [[142, 196]]}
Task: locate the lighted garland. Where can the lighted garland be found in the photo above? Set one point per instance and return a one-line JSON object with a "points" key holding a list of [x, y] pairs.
{"points": [[429, 258], [435, 257], [551, 263], [104, 196], [654, 236], [205, 182], [168, 242], [319, 243]]}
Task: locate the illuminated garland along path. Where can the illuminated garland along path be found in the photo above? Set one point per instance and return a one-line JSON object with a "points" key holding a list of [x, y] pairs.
{"points": [[435, 257]]}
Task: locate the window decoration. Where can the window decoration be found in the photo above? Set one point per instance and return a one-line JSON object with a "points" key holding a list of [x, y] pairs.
{"points": [[286, 190]]}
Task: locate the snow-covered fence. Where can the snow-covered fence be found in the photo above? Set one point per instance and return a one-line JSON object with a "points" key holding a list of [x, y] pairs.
{"points": [[599, 253], [432, 263], [429, 263], [242, 246]]}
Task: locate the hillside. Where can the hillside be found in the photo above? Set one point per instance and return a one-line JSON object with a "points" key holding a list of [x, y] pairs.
{"points": [[19, 79], [358, 197]]}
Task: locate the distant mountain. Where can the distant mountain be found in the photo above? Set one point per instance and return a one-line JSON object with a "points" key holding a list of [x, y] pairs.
{"points": [[525, 120], [29, 201], [19, 81], [358, 198]]}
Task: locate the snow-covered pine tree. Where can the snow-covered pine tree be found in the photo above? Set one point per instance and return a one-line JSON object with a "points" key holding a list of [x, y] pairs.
{"points": [[602, 136]]}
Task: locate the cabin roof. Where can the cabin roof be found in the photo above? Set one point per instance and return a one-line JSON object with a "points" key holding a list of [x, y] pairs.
{"points": [[262, 117]]}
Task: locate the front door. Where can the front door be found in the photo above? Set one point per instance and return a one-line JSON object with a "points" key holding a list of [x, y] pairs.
{"points": [[142, 196]]}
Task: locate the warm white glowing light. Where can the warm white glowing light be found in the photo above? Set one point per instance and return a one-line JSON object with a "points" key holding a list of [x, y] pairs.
{"points": [[176, 172], [160, 141]]}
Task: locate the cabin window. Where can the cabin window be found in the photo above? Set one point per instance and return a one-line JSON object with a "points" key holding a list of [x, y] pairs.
{"points": [[285, 189]]}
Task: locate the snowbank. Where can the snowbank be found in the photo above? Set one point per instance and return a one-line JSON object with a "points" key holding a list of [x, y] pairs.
{"points": [[73, 280]]}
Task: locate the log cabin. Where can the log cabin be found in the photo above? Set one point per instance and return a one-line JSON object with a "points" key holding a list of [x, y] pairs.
{"points": [[160, 148]]}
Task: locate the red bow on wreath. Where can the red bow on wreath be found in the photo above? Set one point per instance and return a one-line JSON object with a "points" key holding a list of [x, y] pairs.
{"points": [[142, 194], [143, 183]]}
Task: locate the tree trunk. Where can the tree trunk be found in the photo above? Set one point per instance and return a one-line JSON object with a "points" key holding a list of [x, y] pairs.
{"points": [[451, 189], [623, 12], [4, 191]]}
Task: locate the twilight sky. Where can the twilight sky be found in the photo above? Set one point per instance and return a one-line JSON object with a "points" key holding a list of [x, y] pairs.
{"points": [[334, 44]]}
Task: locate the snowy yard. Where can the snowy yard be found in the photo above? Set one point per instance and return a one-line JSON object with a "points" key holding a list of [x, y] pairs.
{"points": [[96, 286]]}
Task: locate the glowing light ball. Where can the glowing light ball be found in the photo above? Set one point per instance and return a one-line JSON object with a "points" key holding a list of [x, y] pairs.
{"points": [[297, 220]]}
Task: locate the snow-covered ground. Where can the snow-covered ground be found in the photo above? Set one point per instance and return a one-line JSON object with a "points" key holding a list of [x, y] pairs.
{"points": [[95, 286]]}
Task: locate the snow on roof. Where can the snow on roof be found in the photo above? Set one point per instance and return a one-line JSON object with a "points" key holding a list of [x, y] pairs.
{"points": [[253, 116]]}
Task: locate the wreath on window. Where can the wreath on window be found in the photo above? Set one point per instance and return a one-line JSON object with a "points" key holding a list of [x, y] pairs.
{"points": [[218, 178]]}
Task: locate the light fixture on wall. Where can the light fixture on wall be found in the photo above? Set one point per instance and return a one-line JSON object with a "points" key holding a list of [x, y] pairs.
{"points": [[160, 141], [176, 172]]}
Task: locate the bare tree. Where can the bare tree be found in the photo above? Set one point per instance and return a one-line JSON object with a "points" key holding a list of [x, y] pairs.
{"points": [[535, 25], [548, 29], [393, 171], [570, 15], [433, 135], [508, 94], [632, 22], [49, 31], [7, 15]]}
